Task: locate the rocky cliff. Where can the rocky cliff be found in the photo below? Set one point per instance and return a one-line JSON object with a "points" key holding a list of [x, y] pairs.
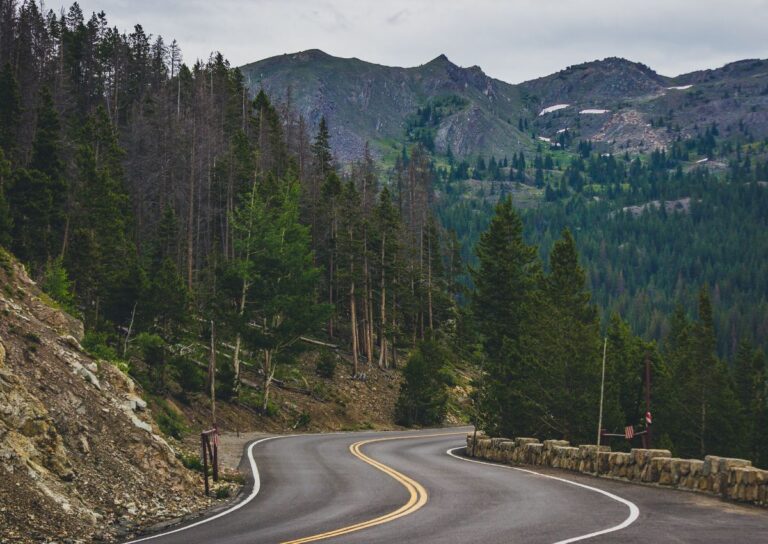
{"points": [[369, 102], [80, 456], [623, 105]]}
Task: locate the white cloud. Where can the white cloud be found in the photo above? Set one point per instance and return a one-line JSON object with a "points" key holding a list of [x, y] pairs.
{"points": [[513, 41]]}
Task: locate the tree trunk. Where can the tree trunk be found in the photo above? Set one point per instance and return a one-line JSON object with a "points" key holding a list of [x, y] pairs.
{"points": [[353, 324], [330, 293], [212, 374], [394, 331], [429, 280], [383, 316], [191, 214], [269, 373]]}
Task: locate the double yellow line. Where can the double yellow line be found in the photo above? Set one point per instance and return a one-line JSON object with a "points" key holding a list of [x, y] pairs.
{"points": [[417, 494]]}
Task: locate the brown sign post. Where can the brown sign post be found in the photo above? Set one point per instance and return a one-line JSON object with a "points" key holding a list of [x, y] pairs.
{"points": [[209, 446]]}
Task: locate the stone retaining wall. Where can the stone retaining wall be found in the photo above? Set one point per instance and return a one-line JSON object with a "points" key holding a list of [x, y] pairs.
{"points": [[734, 479]]}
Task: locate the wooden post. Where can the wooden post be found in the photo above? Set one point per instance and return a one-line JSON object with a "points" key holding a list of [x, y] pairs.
{"points": [[647, 437], [602, 392], [203, 444], [215, 456]]}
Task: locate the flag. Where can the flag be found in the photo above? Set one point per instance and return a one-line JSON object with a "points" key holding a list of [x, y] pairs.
{"points": [[629, 432], [648, 418]]}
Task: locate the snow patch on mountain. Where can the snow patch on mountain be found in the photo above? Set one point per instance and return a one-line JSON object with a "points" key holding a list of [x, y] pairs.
{"points": [[550, 109]]}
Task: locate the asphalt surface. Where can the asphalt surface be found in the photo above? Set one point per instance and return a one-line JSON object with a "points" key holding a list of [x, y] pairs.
{"points": [[310, 485]]}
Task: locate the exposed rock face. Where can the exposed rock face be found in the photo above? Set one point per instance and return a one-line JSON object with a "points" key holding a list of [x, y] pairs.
{"points": [[369, 102], [365, 102], [79, 454]]}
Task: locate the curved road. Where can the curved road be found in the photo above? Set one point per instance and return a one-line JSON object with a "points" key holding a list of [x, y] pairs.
{"points": [[405, 487]]}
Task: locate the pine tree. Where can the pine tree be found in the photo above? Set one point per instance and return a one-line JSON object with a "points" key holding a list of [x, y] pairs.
{"points": [[165, 297], [571, 348], [504, 303], [321, 149], [280, 278], [101, 256], [423, 398], [750, 383], [31, 205], [10, 110], [350, 255], [46, 148], [6, 220], [386, 243], [36, 195], [712, 388]]}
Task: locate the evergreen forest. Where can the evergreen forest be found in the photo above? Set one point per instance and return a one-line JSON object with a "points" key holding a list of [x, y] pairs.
{"points": [[179, 216]]}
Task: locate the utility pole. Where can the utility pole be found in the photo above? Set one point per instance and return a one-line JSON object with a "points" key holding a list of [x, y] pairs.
{"points": [[602, 394], [648, 417], [212, 374]]}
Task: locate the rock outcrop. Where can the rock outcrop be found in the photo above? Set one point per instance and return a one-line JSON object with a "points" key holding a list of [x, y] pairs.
{"points": [[80, 456]]}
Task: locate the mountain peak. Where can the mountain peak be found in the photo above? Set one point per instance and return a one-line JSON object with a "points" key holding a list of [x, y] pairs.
{"points": [[441, 59], [310, 55]]}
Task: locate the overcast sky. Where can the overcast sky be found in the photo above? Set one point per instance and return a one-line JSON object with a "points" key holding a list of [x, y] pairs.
{"points": [[513, 40]]}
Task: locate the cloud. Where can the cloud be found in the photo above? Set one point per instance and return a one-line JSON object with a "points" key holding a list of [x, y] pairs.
{"points": [[398, 17], [513, 41]]}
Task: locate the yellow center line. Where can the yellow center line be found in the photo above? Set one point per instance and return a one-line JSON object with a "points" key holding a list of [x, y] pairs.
{"points": [[417, 494]]}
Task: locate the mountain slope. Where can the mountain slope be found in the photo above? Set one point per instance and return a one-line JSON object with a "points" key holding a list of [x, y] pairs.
{"points": [[80, 453], [369, 102], [619, 104]]}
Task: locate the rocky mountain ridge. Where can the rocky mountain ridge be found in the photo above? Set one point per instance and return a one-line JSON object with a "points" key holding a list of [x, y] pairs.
{"points": [[619, 104]]}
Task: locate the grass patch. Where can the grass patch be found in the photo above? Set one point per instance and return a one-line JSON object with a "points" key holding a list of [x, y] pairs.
{"points": [[32, 337], [224, 492], [170, 422], [192, 462], [6, 262], [96, 345]]}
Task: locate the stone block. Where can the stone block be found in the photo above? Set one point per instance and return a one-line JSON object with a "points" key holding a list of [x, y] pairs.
{"points": [[552, 444], [643, 456]]}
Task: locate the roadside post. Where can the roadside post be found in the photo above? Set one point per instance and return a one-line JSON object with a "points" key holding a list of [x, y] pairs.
{"points": [[209, 446], [629, 431], [602, 394]]}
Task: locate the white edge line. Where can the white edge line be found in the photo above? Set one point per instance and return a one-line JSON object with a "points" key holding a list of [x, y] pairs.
{"points": [[249, 498], [634, 511]]}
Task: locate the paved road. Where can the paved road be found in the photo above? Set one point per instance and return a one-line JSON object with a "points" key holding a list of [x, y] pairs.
{"points": [[404, 487]]}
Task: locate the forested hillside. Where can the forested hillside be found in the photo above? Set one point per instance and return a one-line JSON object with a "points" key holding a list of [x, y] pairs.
{"points": [[541, 351], [203, 232], [651, 230], [192, 225]]}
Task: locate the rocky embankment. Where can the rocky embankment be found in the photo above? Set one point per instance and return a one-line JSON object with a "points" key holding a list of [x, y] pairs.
{"points": [[80, 457]]}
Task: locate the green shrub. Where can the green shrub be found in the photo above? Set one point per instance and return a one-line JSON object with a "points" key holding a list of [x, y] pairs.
{"points": [[303, 421], [423, 399], [95, 343], [321, 392], [32, 337], [152, 350], [189, 376], [56, 284], [170, 422], [223, 492], [192, 462], [326, 364], [5, 261], [255, 401]]}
